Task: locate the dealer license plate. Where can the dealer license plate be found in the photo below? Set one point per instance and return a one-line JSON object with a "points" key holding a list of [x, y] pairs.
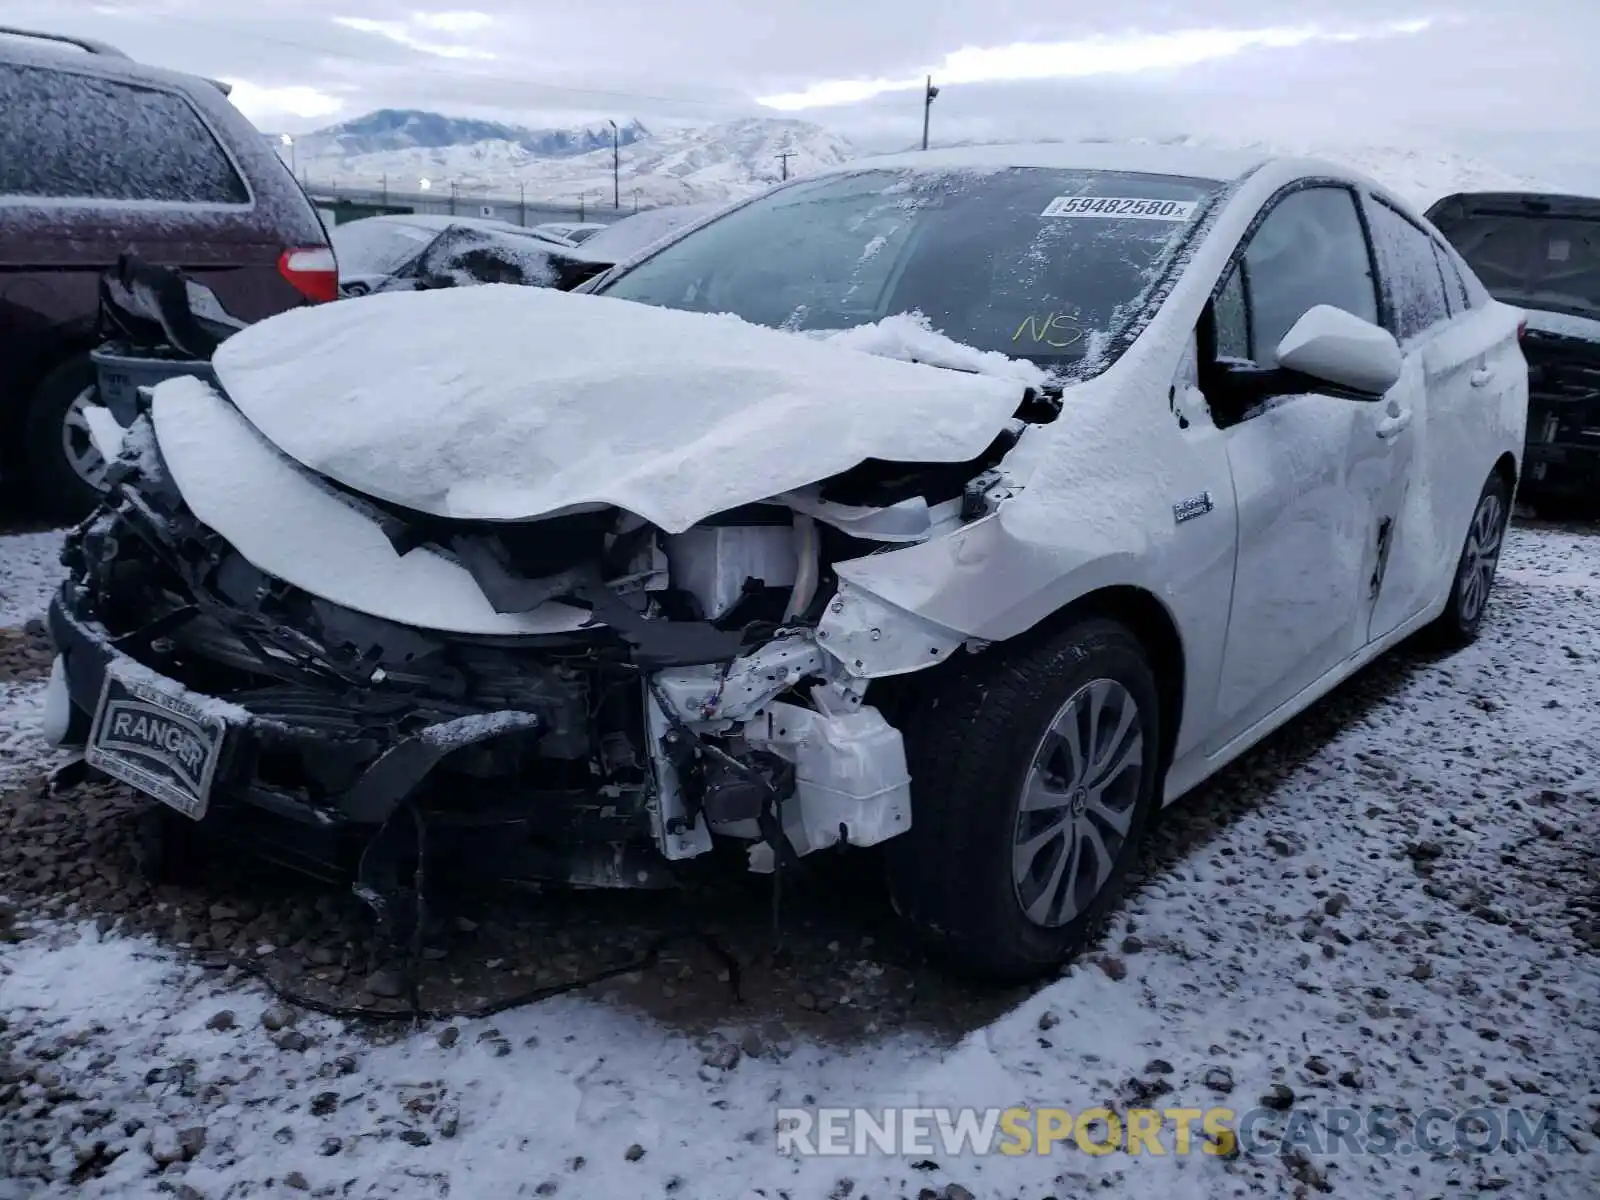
{"points": [[152, 738]]}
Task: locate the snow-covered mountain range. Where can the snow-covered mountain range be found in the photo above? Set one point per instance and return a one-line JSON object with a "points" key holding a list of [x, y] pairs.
{"points": [[400, 148], [673, 166]]}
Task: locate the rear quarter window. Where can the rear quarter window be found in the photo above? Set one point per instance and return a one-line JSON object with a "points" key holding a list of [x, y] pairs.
{"points": [[67, 136]]}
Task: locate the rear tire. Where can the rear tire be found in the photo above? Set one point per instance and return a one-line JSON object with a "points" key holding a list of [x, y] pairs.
{"points": [[1034, 776], [56, 459], [1463, 612]]}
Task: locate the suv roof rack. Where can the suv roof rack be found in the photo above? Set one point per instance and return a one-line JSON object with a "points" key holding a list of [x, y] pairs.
{"points": [[91, 46], [88, 45]]}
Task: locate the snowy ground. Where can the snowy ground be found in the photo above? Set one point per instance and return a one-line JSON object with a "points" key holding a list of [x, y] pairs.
{"points": [[1395, 903]]}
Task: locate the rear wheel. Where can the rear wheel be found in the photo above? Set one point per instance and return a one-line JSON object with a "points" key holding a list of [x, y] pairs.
{"points": [[1475, 569], [65, 473], [1034, 777]]}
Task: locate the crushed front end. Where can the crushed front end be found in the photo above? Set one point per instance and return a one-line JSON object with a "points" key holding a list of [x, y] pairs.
{"points": [[698, 700]]}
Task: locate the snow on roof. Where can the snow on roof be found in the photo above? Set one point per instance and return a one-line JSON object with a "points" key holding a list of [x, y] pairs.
{"points": [[1221, 165], [505, 403]]}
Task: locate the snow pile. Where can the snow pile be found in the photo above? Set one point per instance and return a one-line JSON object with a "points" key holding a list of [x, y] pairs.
{"points": [[502, 403], [909, 337], [23, 750], [32, 572]]}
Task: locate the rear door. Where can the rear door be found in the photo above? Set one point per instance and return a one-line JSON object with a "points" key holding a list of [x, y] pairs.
{"points": [[1445, 362]]}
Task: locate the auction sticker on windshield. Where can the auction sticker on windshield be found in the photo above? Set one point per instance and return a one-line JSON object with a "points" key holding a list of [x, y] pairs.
{"points": [[1120, 208], [155, 740]]}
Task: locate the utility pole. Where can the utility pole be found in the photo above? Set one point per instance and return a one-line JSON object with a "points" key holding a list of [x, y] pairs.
{"points": [[784, 159], [452, 197], [386, 191], [581, 196], [522, 204], [616, 167], [928, 96]]}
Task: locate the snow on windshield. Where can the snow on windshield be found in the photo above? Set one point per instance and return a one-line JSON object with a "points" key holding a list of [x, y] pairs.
{"points": [[619, 242], [1031, 263], [909, 337], [375, 246]]}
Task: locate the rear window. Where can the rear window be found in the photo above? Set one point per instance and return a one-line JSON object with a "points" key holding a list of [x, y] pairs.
{"points": [[1529, 260], [373, 246], [66, 136]]}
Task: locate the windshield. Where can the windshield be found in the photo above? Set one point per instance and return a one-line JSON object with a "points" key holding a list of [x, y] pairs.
{"points": [[377, 247], [1035, 263], [1533, 262]]}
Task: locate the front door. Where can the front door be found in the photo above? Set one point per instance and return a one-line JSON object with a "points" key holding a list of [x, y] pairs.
{"points": [[1311, 478]]}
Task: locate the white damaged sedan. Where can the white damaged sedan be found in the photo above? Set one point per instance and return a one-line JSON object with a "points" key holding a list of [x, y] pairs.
{"points": [[975, 502]]}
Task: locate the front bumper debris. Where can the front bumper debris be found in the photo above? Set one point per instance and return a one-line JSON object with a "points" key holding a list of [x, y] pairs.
{"points": [[599, 756]]}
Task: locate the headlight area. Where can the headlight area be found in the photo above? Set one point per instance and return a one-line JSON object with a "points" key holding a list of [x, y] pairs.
{"points": [[777, 748]]}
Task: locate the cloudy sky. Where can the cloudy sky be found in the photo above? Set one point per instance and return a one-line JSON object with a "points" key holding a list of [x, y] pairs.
{"points": [[1515, 76]]}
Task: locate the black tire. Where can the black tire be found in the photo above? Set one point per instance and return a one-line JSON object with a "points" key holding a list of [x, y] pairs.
{"points": [[971, 746], [1463, 612], [56, 489]]}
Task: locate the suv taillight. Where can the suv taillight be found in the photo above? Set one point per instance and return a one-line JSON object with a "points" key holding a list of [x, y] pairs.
{"points": [[313, 272]]}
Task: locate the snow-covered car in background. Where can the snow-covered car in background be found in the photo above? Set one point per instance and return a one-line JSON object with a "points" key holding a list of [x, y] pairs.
{"points": [[574, 233], [1542, 253], [638, 232], [740, 550], [422, 251]]}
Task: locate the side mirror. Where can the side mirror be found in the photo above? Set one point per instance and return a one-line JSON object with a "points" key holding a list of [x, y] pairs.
{"points": [[1338, 348]]}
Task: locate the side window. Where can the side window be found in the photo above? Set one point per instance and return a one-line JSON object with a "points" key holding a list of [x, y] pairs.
{"points": [[1410, 267], [1232, 319], [1455, 286], [1309, 250], [79, 137]]}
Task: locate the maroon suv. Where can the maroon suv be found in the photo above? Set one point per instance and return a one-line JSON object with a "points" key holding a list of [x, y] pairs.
{"points": [[101, 156]]}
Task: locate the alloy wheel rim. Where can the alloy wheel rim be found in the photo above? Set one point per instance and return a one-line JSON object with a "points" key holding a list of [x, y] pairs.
{"points": [[77, 443], [1481, 556], [1077, 803]]}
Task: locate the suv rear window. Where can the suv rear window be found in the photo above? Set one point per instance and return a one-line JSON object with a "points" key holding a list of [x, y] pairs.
{"points": [[67, 136], [1534, 261]]}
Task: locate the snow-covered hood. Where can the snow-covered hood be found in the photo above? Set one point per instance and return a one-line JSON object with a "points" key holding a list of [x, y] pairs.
{"points": [[509, 403]]}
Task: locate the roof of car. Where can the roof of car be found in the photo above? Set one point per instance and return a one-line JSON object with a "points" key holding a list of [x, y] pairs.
{"points": [[42, 49], [443, 221], [1195, 163]]}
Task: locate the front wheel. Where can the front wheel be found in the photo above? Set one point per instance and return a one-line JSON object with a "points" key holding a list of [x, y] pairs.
{"points": [[1475, 569], [1034, 775]]}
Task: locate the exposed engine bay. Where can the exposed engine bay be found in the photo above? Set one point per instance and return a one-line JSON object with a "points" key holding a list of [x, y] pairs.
{"points": [[712, 688]]}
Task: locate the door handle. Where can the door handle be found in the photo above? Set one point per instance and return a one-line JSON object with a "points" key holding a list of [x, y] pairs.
{"points": [[1394, 424], [1481, 377]]}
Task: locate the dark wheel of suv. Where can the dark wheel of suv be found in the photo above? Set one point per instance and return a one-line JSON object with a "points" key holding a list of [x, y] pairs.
{"points": [[1034, 777], [65, 472], [1480, 556]]}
